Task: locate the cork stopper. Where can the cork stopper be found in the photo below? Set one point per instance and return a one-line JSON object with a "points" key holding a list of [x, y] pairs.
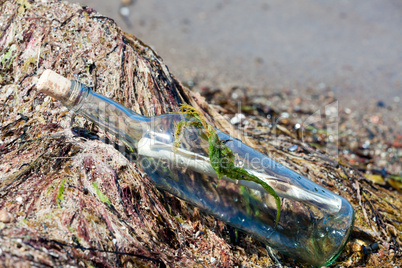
{"points": [[54, 85]]}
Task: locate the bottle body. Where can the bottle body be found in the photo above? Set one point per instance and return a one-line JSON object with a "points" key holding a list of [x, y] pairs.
{"points": [[314, 223]]}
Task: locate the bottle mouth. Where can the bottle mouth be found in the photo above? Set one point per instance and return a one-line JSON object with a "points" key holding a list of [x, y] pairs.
{"points": [[75, 95], [70, 93]]}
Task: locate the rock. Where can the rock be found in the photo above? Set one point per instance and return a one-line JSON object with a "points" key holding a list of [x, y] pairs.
{"points": [[5, 217]]}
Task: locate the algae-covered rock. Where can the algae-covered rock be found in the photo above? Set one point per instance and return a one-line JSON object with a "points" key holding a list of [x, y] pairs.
{"points": [[69, 197]]}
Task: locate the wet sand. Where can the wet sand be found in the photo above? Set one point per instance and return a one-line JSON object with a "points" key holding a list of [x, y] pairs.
{"points": [[353, 47]]}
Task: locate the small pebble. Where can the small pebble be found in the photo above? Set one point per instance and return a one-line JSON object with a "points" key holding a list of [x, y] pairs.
{"points": [[237, 119], [375, 119], [125, 11], [381, 104], [213, 260], [375, 247], [5, 217], [293, 148], [366, 145]]}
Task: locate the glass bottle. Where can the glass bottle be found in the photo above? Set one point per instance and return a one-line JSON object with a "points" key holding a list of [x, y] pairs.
{"points": [[314, 223]]}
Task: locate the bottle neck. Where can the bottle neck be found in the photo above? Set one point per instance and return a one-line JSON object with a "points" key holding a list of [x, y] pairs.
{"points": [[108, 114], [75, 96]]}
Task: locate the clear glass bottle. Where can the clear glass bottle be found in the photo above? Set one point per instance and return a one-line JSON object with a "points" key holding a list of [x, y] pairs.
{"points": [[314, 223]]}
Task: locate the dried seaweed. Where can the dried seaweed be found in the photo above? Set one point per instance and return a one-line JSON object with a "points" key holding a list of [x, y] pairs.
{"points": [[50, 210]]}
